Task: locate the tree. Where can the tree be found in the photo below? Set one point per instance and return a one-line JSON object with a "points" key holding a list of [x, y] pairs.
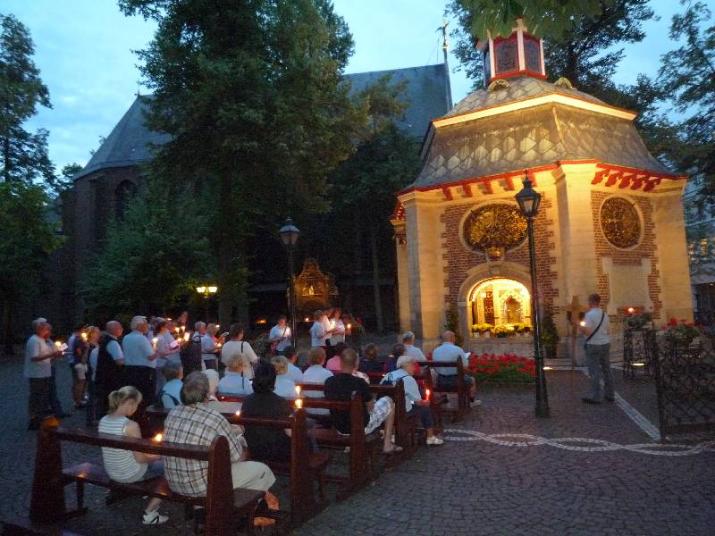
{"points": [[252, 96], [23, 154], [385, 161], [25, 172], [64, 181], [150, 258], [687, 77]]}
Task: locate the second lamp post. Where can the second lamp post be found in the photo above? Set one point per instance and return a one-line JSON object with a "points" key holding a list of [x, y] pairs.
{"points": [[289, 234]]}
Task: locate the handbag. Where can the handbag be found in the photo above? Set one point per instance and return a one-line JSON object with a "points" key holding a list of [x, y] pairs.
{"points": [[585, 343]]}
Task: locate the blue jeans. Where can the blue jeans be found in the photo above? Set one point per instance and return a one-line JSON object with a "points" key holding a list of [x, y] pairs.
{"points": [[599, 367]]}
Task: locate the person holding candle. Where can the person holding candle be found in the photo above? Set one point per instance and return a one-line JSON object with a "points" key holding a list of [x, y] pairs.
{"points": [[267, 443], [598, 347], [280, 336], [414, 404], [39, 355], [284, 386], [140, 359], [166, 346], [76, 355], [129, 466], [337, 325], [235, 381], [320, 330], [210, 347]]}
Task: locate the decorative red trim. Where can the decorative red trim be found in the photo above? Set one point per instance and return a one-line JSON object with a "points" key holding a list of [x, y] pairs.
{"points": [[399, 212], [467, 189], [447, 193], [509, 183]]}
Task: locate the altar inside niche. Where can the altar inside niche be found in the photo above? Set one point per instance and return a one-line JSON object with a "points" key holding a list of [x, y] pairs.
{"points": [[500, 302]]}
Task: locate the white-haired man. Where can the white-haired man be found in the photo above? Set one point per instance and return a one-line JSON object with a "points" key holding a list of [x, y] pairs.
{"points": [[448, 351], [408, 341], [39, 354], [140, 359]]}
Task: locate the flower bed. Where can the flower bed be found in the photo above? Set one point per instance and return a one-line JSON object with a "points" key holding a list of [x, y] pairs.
{"points": [[504, 368]]}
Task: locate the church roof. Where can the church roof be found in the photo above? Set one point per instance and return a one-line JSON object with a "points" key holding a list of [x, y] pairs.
{"points": [[488, 141], [130, 142]]}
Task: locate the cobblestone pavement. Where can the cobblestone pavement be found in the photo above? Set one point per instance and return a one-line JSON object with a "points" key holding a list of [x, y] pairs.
{"points": [[471, 485]]}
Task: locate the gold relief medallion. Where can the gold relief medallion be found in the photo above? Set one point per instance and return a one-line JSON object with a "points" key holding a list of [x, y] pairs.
{"points": [[620, 222]]}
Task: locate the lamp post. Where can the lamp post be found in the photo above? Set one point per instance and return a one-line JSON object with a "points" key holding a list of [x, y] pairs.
{"points": [[529, 201], [207, 291], [289, 234]]}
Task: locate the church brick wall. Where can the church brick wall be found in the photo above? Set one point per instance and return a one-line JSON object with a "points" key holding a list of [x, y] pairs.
{"points": [[458, 259], [646, 249]]}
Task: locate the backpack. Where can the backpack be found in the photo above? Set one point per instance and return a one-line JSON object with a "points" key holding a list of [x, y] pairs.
{"points": [[191, 355], [160, 403]]}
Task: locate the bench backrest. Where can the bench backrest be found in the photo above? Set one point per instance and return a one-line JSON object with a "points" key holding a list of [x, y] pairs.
{"points": [[47, 502]]}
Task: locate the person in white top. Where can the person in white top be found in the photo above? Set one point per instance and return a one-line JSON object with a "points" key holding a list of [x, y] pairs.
{"points": [[284, 387], [236, 344], [210, 346], [408, 341], [447, 376], [280, 336], [38, 370], [234, 381], [319, 332], [316, 373], [338, 328], [126, 465], [598, 346], [414, 405], [294, 373]]}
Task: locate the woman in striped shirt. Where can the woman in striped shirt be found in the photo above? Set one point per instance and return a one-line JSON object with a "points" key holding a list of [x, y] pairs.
{"points": [[127, 465]]}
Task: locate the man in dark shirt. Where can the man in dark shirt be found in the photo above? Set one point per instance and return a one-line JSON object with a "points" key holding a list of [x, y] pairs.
{"points": [[266, 443], [343, 385]]}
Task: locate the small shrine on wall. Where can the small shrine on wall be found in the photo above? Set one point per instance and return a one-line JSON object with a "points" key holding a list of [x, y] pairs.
{"points": [[314, 289], [611, 217]]}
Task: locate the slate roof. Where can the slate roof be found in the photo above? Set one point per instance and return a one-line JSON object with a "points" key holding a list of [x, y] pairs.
{"points": [[530, 137], [427, 94]]}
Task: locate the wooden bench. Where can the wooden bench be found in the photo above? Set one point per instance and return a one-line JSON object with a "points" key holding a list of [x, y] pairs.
{"points": [[461, 388], [224, 505], [405, 426]]}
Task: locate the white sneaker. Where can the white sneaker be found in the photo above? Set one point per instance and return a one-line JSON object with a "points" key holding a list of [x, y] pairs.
{"points": [[154, 518], [434, 440]]}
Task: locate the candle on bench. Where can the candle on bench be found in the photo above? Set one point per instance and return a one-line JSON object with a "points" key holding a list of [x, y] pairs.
{"points": [[158, 437], [297, 390], [238, 413]]}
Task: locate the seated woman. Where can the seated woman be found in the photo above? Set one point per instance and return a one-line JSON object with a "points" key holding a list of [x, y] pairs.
{"points": [[284, 387], [236, 380], [170, 394], [369, 362], [266, 443], [333, 364], [126, 465], [406, 367], [391, 363]]}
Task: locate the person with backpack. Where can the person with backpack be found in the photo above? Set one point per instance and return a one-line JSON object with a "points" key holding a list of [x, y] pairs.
{"points": [[170, 394], [110, 365], [414, 404], [598, 346]]}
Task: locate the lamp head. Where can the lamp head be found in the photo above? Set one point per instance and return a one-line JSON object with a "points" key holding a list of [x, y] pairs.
{"points": [[289, 233], [528, 199]]}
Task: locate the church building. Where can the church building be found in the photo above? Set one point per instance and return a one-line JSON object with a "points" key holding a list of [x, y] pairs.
{"points": [[611, 216]]}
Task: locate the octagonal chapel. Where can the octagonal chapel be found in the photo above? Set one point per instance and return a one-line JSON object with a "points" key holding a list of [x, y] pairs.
{"points": [[611, 216]]}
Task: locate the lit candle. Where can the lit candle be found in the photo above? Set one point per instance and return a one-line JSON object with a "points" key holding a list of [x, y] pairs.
{"points": [[84, 336], [158, 437], [218, 326], [183, 328], [58, 344], [582, 323], [218, 345], [299, 403], [238, 413], [631, 310], [187, 336], [428, 393], [297, 390], [177, 330], [154, 342]]}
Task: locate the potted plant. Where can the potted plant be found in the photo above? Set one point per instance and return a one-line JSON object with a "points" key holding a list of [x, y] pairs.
{"points": [[501, 332], [680, 333], [639, 321], [482, 329]]}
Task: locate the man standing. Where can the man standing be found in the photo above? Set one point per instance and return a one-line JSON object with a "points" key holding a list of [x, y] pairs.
{"points": [[280, 336], [210, 348], [319, 333], [39, 354], [447, 376], [110, 363], [598, 345], [140, 360]]}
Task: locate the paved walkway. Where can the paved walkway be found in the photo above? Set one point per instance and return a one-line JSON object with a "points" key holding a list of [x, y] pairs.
{"points": [[586, 470]]}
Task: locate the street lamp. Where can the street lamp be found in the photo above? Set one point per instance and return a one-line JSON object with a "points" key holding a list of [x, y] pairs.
{"points": [[289, 234], [207, 291], [529, 201]]}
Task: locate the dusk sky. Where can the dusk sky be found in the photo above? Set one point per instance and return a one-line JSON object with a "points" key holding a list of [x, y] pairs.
{"points": [[84, 52]]}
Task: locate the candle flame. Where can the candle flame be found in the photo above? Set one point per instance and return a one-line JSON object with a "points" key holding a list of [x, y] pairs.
{"points": [[238, 413], [582, 323], [158, 437], [297, 390], [58, 343], [84, 336], [299, 403], [187, 335], [428, 393]]}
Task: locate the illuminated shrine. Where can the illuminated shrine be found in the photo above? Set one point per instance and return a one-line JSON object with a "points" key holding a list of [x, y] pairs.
{"points": [[611, 217]]}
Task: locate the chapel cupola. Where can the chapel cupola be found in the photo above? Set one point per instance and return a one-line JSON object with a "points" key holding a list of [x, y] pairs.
{"points": [[520, 54]]}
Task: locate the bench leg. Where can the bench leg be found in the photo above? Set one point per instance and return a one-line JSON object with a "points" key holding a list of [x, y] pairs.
{"points": [[80, 495]]}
